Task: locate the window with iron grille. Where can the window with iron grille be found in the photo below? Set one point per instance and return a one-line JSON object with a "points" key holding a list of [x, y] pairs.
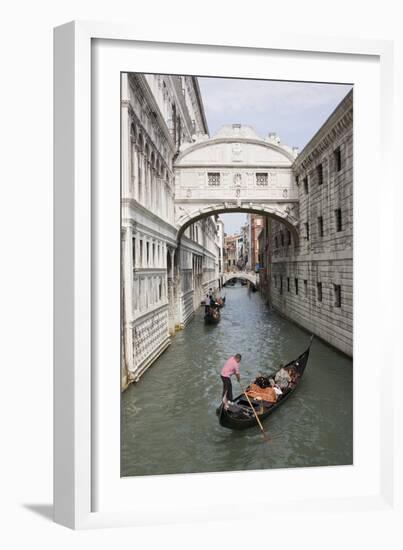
{"points": [[319, 290], [213, 179], [337, 159], [319, 170], [337, 295], [339, 225], [307, 231], [320, 226], [262, 179]]}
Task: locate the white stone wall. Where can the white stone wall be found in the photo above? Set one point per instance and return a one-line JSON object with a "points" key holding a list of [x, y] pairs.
{"points": [[324, 254], [159, 280]]}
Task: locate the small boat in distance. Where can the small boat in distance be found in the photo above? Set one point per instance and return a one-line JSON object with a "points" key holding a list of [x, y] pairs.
{"points": [[239, 415]]}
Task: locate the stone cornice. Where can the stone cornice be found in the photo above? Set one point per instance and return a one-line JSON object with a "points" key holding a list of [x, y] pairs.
{"points": [[236, 166], [141, 82], [217, 141], [338, 122], [200, 103]]}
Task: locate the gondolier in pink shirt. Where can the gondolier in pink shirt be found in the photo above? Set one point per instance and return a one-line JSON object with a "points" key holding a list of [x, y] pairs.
{"points": [[231, 367]]}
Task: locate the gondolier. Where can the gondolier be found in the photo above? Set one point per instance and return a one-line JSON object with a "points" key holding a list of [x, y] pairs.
{"points": [[231, 367]]}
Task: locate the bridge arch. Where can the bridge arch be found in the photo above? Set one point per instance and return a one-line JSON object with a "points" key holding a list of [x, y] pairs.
{"points": [[246, 275], [279, 212]]}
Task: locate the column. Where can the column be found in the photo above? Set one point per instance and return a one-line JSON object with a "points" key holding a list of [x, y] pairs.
{"points": [[135, 173]]}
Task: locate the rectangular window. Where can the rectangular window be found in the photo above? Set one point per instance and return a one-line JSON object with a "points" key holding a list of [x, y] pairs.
{"points": [[134, 252], [319, 289], [320, 226], [153, 253], [305, 287], [282, 238], [337, 295], [296, 286], [160, 289], [339, 225], [307, 231], [148, 253], [281, 284], [213, 179], [288, 284], [297, 180], [337, 159], [306, 185], [319, 170], [262, 179]]}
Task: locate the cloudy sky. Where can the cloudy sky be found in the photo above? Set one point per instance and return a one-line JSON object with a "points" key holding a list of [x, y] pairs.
{"points": [[293, 110]]}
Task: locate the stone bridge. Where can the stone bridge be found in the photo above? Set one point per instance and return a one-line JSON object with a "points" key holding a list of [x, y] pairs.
{"points": [[247, 275], [236, 171]]}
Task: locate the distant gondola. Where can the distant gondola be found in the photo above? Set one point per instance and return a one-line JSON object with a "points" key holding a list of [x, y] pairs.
{"points": [[239, 415], [212, 316]]}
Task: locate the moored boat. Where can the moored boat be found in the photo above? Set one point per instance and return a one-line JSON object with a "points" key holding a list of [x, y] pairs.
{"points": [[239, 415]]}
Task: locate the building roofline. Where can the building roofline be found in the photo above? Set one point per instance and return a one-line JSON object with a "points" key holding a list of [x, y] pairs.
{"points": [[200, 102], [345, 104]]}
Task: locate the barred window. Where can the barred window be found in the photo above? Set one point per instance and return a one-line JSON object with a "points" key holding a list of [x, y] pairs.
{"points": [[339, 224], [262, 179], [213, 179], [307, 231], [319, 289], [320, 174], [320, 226], [337, 159], [337, 295]]}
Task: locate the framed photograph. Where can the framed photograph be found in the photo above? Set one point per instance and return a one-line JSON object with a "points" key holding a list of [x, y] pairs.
{"points": [[219, 224]]}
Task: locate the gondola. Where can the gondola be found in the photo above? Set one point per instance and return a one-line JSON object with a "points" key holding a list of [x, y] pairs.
{"points": [[239, 414], [212, 316]]}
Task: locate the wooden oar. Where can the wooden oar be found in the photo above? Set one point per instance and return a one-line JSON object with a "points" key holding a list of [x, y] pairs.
{"points": [[266, 437]]}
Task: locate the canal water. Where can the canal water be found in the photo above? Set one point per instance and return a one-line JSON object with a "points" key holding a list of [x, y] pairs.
{"points": [[169, 423]]}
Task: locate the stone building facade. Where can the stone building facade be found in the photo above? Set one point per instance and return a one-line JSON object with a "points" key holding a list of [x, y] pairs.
{"points": [[162, 278], [312, 280]]}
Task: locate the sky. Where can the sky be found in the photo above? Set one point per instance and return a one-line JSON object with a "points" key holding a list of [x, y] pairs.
{"points": [[293, 110]]}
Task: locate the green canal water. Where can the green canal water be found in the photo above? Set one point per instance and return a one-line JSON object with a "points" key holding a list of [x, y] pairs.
{"points": [[169, 424]]}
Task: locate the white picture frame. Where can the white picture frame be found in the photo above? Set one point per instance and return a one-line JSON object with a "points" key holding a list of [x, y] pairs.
{"points": [[87, 492]]}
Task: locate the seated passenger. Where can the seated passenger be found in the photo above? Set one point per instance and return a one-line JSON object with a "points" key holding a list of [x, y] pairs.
{"points": [[282, 378], [275, 387]]}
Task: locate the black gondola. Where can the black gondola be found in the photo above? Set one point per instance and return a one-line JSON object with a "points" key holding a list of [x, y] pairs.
{"points": [[212, 316], [239, 415]]}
